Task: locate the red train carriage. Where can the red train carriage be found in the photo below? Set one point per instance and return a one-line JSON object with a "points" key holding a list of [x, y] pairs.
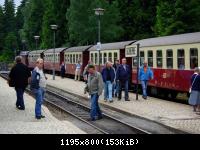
{"points": [[72, 55], [172, 59], [109, 52], [49, 59], [33, 56], [24, 55]]}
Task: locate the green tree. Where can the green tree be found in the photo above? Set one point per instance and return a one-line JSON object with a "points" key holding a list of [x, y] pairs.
{"points": [[48, 19], [1, 29], [138, 18], [33, 17], [83, 22], [177, 16]]}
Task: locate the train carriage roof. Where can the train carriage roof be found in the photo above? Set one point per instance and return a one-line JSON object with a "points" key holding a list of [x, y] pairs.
{"points": [[57, 50], [24, 53], [187, 38], [36, 52], [113, 46], [78, 48]]}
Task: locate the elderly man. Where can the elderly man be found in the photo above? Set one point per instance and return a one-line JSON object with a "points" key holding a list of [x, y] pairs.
{"points": [[38, 85], [145, 74], [123, 76], [95, 88], [19, 75]]}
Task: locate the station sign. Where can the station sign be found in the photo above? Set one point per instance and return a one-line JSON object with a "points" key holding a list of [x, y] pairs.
{"points": [[131, 51]]}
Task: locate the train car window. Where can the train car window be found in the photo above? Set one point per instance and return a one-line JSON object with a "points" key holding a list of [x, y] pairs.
{"points": [[169, 58], [150, 58], [74, 58], [159, 58], [110, 57], [193, 58], [141, 58], [181, 59], [80, 58], [115, 56], [104, 58], [95, 59], [134, 62]]}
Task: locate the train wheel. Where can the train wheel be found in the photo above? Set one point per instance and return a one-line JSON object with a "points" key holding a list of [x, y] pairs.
{"points": [[173, 94]]}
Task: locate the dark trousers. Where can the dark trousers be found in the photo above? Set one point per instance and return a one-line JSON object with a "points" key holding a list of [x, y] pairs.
{"points": [[125, 85], [20, 97]]}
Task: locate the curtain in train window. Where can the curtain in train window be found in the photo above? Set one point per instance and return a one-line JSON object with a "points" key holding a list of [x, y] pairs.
{"points": [[96, 59], [104, 58], [110, 57], [169, 58], [193, 58], [141, 58], [100, 58], [150, 58], [181, 59], [91, 57], [159, 58]]}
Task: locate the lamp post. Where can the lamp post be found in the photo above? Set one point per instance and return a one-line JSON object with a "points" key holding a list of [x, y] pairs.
{"points": [[99, 12], [36, 41], [54, 28]]}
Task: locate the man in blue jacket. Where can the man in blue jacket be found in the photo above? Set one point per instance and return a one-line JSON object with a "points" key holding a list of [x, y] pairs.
{"points": [[123, 75], [145, 74], [108, 75]]}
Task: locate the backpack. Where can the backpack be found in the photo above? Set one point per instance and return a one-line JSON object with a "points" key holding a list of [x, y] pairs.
{"points": [[35, 78]]}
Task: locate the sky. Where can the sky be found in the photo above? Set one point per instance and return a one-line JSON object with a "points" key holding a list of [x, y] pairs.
{"points": [[17, 2]]}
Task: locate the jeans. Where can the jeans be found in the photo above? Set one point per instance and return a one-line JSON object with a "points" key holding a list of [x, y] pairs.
{"points": [[20, 97], [116, 88], [95, 110], [108, 90], [144, 87], [39, 96], [125, 84]]}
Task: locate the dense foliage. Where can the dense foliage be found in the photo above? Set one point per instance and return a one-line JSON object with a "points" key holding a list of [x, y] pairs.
{"points": [[78, 24]]}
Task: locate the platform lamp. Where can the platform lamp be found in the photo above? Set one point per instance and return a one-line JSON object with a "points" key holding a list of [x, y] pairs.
{"points": [[54, 28], [99, 12]]}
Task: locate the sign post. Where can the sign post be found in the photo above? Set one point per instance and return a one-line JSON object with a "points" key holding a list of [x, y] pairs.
{"points": [[133, 51], [98, 47]]}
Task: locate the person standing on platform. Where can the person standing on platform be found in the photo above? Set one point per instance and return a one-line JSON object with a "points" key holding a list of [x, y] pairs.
{"points": [[19, 76], [123, 75], [38, 85], [95, 89], [78, 71], [62, 69], [108, 75], [116, 83], [194, 98], [145, 74]]}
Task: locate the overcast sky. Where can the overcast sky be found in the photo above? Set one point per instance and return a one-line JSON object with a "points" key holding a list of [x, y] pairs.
{"points": [[17, 2]]}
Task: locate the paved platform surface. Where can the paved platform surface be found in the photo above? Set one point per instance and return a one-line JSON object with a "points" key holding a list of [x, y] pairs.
{"points": [[14, 121], [176, 115]]}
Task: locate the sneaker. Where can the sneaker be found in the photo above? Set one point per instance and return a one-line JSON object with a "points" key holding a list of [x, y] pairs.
{"points": [[127, 100], [105, 100], [111, 101], [88, 96]]}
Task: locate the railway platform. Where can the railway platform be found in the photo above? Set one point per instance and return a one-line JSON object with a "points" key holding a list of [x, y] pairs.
{"points": [[172, 114], [14, 121]]}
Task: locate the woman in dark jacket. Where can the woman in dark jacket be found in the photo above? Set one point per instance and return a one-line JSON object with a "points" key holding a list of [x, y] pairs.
{"points": [[194, 99]]}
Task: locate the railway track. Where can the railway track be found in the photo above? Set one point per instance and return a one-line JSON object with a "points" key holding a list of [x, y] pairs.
{"points": [[107, 125]]}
